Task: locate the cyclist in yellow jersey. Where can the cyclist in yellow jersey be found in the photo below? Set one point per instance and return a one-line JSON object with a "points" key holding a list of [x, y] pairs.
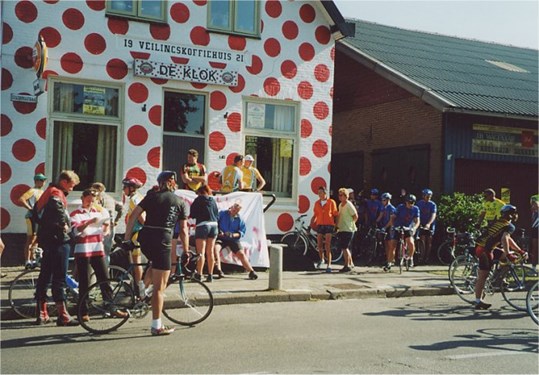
{"points": [[232, 176], [28, 199], [491, 208], [193, 173], [252, 179]]}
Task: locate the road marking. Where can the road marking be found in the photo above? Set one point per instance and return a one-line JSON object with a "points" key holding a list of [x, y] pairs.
{"points": [[489, 354]]}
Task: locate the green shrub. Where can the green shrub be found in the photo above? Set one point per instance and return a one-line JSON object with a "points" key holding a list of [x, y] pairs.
{"points": [[459, 211]]}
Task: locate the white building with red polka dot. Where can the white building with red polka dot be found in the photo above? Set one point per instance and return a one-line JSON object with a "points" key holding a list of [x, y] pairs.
{"points": [[126, 88]]}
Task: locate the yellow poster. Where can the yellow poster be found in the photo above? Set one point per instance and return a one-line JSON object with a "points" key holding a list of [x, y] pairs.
{"points": [[286, 148], [506, 195], [94, 100]]}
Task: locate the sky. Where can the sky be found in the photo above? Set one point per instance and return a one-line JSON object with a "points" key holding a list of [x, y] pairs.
{"points": [[513, 23]]}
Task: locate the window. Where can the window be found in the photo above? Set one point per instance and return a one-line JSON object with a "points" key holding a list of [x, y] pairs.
{"points": [[85, 126], [234, 16], [271, 137], [184, 113], [150, 10]]}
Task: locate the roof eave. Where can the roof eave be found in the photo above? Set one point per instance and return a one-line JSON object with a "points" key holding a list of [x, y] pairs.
{"points": [[338, 26]]}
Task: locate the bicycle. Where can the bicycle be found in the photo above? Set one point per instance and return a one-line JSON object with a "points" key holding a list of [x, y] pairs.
{"points": [[511, 277], [455, 245], [21, 294], [532, 302], [372, 246], [402, 248], [187, 301], [304, 242], [420, 253]]}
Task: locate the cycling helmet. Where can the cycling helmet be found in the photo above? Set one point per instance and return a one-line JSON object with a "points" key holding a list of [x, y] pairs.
{"points": [[410, 198], [426, 192], [375, 192], [132, 182], [508, 209], [386, 196], [165, 176]]}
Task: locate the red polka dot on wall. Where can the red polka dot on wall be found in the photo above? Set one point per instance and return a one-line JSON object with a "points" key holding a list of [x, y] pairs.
{"points": [[48, 73], [217, 100], [285, 222], [233, 121], [200, 2], [304, 166], [305, 90], [321, 72], [273, 8], [26, 11], [71, 63], [217, 141], [199, 36], [240, 86], [289, 69], [95, 44], [5, 218], [306, 128], [237, 43], [214, 180], [160, 32], [40, 168], [50, 1], [331, 92], [256, 65], [96, 5], [41, 128], [320, 110], [272, 47], [116, 69], [320, 148], [5, 172], [5, 125], [7, 79], [24, 108], [332, 54], [137, 172], [290, 30], [322, 35], [272, 86], [137, 92], [303, 204], [330, 130], [230, 158], [23, 57], [307, 13], [118, 26], [73, 19], [7, 33], [198, 86], [154, 157], [154, 115], [306, 51], [316, 183], [159, 81], [51, 36], [137, 135], [23, 150], [179, 13], [16, 192]]}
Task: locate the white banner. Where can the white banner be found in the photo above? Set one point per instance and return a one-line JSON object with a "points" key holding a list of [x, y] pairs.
{"points": [[252, 212]]}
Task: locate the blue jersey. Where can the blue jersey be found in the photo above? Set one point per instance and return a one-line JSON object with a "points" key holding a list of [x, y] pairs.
{"points": [[374, 207], [426, 209], [405, 216], [388, 211]]}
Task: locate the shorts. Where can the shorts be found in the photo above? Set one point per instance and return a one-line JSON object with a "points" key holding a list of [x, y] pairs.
{"points": [[325, 229], [344, 239], [391, 234], [426, 232], [136, 251], [486, 258], [155, 244], [233, 245], [207, 230], [31, 227]]}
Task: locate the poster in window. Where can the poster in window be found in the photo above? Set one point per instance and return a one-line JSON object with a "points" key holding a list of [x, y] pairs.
{"points": [[255, 115], [286, 148], [94, 100]]}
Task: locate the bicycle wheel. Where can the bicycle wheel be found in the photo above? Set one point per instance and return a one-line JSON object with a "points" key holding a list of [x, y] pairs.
{"points": [[22, 294], [463, 276], [420, 252], [295, 242], [187, 302], [445, 253], [515, 285], [107, 301], [532, 302]]}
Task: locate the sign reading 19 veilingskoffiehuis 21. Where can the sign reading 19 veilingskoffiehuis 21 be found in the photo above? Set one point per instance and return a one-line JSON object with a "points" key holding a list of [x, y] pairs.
{"points": [[185, 72]]}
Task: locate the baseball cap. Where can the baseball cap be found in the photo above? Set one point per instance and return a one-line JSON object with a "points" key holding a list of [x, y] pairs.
{"points": [[249, 158], [40, 177]]}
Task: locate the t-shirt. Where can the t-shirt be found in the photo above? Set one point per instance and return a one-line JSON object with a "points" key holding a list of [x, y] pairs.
{"points": [[250, 177], [163, 209], [388, 210], [89, 242], [404, 216], [374, 207], [345, 220], [493, 235], [426, 209], [31, 196], [231, 179], [193, 170]]}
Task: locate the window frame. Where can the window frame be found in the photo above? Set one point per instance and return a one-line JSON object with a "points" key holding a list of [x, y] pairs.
{"points": [[117, 121], [293, 135], [233, 10], [135, 14]]}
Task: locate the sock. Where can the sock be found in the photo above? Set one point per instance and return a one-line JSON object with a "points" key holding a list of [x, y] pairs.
{"points": [[477, 300], [156, 323]]}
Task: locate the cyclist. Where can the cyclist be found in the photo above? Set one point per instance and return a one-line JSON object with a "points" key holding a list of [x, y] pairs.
{"points": [[427, 221], [387, 224], [498, 232], [407, 215], [252, 179], [346, 227], [193, 173], [163, 209], [325, 212], [491, 207], [373, 212], [133, 196], [232, 176], [534, 248]]}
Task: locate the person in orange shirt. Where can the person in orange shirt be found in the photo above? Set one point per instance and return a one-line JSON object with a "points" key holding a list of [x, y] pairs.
{"points": [[325, 212]]}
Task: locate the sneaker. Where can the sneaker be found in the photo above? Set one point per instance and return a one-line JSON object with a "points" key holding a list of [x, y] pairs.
{"points": [[411, 263], [328, 270], [345, 269], [482, 305], [163, 331], [253, 275], [197, 277], [318, 264], [29, 265], [387, 267], [209, 279]]}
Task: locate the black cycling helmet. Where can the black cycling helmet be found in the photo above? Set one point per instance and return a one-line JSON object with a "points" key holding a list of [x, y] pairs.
{"points": [[132, 182], [508, 209], [165, 176], [410, 198]]}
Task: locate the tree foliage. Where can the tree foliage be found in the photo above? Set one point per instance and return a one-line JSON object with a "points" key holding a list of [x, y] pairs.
{"points": [[459, 211]]}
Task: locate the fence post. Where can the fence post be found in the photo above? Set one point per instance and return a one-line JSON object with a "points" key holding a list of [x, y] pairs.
{"points": [[276, 267]]}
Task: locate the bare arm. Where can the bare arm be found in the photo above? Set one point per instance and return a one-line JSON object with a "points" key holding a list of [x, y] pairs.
{"points": [[183, 235]]}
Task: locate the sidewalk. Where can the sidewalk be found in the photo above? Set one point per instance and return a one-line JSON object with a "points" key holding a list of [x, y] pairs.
{"points": [[362, 282]]}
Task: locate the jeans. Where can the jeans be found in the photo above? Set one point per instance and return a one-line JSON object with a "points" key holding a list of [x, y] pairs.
{"points": [[53, 269]]}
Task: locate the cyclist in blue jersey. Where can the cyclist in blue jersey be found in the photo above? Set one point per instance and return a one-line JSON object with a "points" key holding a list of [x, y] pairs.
{"points": [[387, 224], [374, 208], [407, 215], [427, 220]]}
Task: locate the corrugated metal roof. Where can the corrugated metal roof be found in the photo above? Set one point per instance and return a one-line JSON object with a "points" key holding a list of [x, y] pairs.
{"points": [[454, 70]]}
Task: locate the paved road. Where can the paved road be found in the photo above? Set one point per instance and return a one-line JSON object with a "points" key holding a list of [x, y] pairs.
{"points": [[435, 334]]}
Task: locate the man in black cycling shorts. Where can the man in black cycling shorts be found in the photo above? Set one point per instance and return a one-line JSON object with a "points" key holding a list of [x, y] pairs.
{"points": [[498, 232], [163, 209]]}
